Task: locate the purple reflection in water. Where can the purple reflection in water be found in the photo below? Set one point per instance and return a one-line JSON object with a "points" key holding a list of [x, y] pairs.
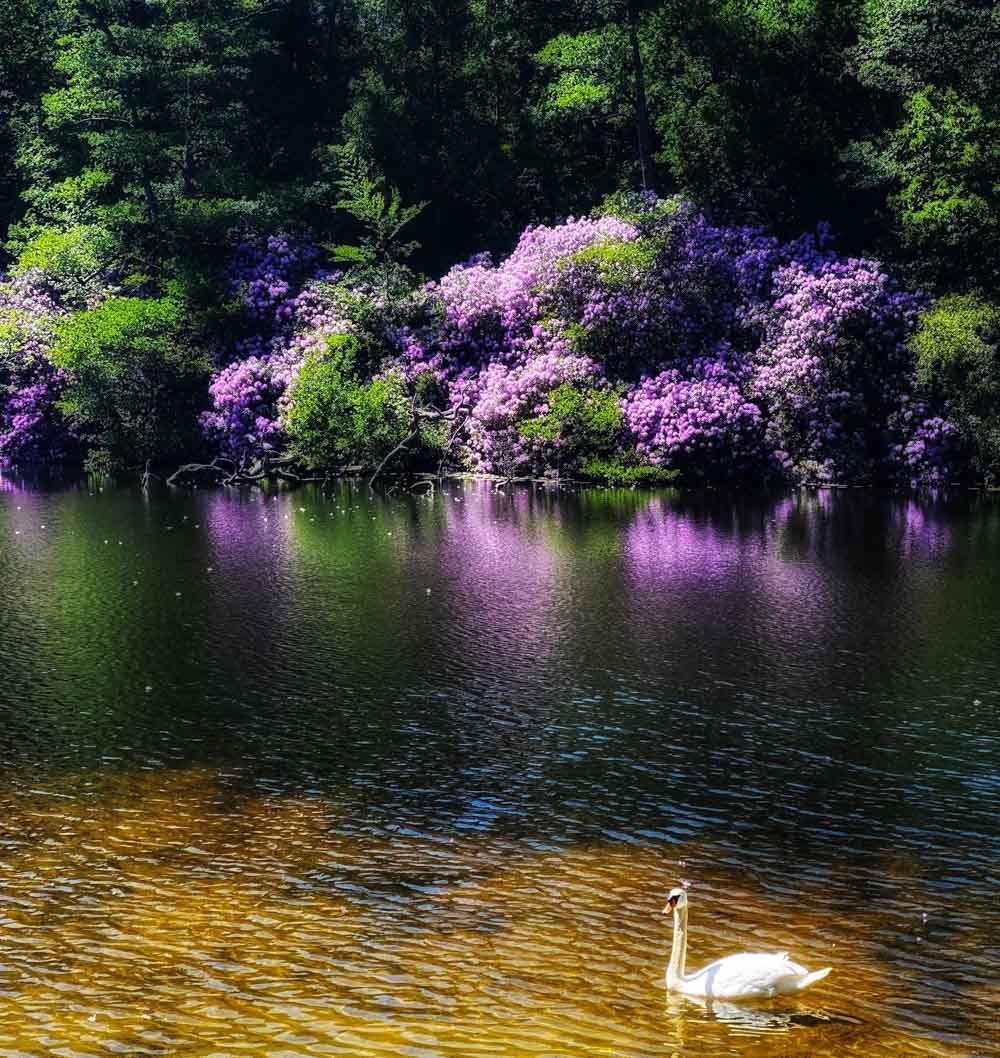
{"points": [[499, 564], [248, 528], [664, 546], [11, 486], [922, 527]]}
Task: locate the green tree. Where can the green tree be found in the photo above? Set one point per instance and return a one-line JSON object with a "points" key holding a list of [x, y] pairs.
{"points": [[27, 50], [380, 254], [151, 124], [750, 105], [136, 383], [945, 161], [334, 417], [78, 261], [957, 346], [599, 75], [932, 155]]}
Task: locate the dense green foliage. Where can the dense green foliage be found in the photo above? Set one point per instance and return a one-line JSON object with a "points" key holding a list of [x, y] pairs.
{"points": [[334, 416], [958, 352], [141, 142], [585, 420], [174, 121], [136, 384]]}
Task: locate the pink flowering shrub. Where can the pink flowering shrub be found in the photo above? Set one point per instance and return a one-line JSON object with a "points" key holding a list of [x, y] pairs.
{"points": [[32, 427], [244, 410], [286, 299], [266, 276], [733, 353], [833, 367], [488, 313], [696, 421], [506, 395], [928, 449]]}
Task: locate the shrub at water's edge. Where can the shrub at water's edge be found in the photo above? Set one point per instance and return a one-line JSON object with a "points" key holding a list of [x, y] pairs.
{"points": [[957, 347], [134, 383]]}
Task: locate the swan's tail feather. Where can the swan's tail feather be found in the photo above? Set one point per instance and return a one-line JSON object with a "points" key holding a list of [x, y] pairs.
{"points": [[811, 979]]}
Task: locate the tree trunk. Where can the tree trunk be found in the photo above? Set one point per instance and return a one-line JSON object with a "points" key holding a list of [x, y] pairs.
{"points": [[641, 111]]}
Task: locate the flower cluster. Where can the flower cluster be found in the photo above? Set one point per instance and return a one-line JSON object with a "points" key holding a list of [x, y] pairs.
{"points": [[928, 448], [244, 412], [504, 396], [698, 421], [735, 353], [833, 366], [495, 313], [287, 299], [32, 428], [265, 277]]}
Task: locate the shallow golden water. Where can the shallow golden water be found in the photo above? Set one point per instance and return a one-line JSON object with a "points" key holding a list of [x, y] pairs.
{"points": [[161, 914]]}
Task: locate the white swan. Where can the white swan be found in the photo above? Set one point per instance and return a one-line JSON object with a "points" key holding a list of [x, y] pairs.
{"points": [[744, 976]]}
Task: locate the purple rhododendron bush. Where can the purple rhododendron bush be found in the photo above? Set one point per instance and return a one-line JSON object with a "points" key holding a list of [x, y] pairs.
{"points": [[32, 426], [649, 345]]}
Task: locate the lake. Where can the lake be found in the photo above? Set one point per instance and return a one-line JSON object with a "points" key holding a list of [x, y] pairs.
{"points": [[333, 773]]}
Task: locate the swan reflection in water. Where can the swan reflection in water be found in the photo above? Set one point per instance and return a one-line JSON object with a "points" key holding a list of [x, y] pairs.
{"points": [[742, 1018]]}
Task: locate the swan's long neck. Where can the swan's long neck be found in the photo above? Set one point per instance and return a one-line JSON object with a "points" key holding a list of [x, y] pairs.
{"points": [[678, 953]]}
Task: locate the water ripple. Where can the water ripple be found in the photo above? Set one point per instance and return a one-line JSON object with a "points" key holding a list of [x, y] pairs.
{"points": [[312, 774]]}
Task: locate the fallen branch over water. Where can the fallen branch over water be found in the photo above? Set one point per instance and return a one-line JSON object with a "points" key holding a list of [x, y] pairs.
{"points": [[188, 469]]}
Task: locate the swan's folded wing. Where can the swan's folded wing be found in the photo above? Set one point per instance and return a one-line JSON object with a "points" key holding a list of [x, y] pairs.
{"points": [[751, 974]]}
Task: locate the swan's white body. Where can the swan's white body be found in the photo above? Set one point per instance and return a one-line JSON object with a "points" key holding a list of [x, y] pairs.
{"points": [[749, 975]]}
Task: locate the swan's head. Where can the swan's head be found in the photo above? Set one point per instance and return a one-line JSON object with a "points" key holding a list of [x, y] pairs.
{"points": [[676, 899]]}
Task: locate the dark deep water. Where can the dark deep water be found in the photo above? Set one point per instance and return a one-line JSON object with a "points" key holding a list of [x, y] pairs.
{"points": [[307, 774]]}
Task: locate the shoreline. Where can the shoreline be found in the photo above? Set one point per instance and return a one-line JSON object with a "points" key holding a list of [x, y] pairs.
{"points": [[409, 482]]}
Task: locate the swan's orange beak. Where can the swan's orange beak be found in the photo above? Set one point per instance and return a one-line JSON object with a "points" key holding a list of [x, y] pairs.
{"points": [[671, 904]]}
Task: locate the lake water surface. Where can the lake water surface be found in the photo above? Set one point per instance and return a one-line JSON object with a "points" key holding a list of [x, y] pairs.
{"points": [[335, 774]]}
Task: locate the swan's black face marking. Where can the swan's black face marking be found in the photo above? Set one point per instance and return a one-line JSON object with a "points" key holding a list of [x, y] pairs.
{"points": [[674, 898]]}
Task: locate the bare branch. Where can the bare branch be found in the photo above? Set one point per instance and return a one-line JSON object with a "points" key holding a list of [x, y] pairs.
{"points": [[399, 448]]}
